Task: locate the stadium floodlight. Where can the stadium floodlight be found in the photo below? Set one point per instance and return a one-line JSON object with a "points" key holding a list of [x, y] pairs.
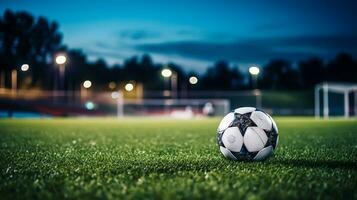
{"points": [[61, 59], [254, 70], [129, 87], [193, 80], [25, 67], [87, 84], [166, 73]]}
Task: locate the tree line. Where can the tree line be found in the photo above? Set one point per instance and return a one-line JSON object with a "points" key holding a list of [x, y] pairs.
{"points": [[36, 41]]}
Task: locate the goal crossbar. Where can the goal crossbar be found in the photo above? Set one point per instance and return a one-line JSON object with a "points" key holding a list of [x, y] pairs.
{"points": [[225, 103], [340, 88]]}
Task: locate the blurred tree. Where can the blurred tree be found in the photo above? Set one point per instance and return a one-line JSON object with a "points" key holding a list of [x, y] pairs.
{"points": [[24, 39], [150, 73], [343, 68], [77, 69], [143, 70], [99, 74], [312, 72], [279, 74], [116, 75], [237, 78], [222, 77]]}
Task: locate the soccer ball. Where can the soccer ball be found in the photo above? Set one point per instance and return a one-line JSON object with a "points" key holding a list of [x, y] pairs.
{"points": [[247, 133]]}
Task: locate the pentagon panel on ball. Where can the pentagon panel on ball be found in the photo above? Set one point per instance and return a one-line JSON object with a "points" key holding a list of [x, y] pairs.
{"points": [[247, 133]]}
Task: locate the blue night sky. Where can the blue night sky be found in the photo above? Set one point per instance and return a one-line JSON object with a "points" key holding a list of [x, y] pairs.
{"points": [[197, 33]]}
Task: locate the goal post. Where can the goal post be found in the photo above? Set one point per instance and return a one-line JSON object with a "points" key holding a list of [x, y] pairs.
{"points": [[338, 99], [180, 108], [120, 104]]}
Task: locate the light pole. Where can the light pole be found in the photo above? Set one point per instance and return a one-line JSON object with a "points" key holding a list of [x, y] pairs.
{"points": [[254, 71], [83, 91], [14, 77], [61, 60], [26, 79], [192, 80], [168, 73], [14, 81]]}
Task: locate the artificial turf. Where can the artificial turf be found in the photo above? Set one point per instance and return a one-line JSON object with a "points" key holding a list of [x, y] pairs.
{"points": [[172, 159]]}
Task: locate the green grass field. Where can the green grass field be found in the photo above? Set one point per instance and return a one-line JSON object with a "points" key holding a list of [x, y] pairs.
{"points": [[172, 159]]}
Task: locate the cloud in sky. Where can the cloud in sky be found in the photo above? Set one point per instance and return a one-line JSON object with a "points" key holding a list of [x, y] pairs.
{"points": [[258, 50], [135, 34], [198, 54]]}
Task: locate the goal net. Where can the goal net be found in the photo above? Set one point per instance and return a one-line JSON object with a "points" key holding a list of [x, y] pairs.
{"points": [[176, 108], [335, 99]]}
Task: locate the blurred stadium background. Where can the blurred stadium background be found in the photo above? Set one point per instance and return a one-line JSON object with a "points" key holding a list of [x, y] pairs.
{"points": [[40, 76], [131, 68]]}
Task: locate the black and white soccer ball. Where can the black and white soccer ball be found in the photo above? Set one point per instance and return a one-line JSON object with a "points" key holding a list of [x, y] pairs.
{"points": [[247, 133]]}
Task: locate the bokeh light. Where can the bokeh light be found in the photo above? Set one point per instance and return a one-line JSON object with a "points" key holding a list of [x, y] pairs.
{"points": [[112, 85], [89, 105], [166, 73], [129, 87], [114, 95], [25, 67], [61, 59], [193, 80], [254, 70], [87, 84]]}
